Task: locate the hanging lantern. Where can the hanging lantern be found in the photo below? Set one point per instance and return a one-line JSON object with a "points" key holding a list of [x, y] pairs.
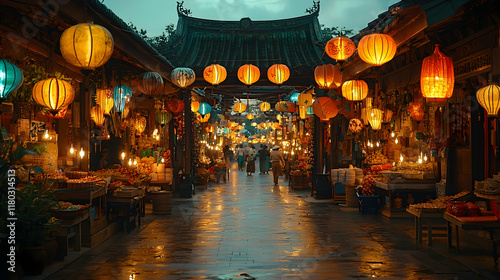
{"points": [[61, 113], [355, 125], [264, 106], [11, 78], [295, 97], [325, 108], [105, 100], [121, 94], [195, 106], [239, 107], [248, 74], [388, 115], [327, 76], [292, 107], [279, 117], [183, 77], [355, 90], [278, 73], [53, 94], [416, 110], [340, 48], [239, 127], [489, 98], [97, 115], [310, 110], [281, 106], [261, 126], [163, 116], [175, 105], [374, 116], [215, 74], [140, 124], [86, 45], [437, 77], [376, 48], [303, 112], [204, 109], [305, 99], [250, 116], [126, 110], [151, 83]]}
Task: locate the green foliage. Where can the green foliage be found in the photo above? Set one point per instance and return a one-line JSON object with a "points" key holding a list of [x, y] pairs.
{"points": [[330, 32], [156, 41]]}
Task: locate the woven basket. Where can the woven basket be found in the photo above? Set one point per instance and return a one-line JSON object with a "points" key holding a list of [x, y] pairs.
{"points": [[76, 174]]}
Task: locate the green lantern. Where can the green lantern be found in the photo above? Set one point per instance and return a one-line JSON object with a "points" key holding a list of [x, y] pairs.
{"points": [[163, 116], [11, 78]]}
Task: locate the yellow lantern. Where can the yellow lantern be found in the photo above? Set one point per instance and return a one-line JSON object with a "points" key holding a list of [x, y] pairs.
{"points": [[489, 98], [105, 100], [215, 74], [250, 116], [327, 76], [375, 118], [376, 48], [239, 127], [278, 73], [340, 48], [355, 90], [97, 115], [248, 74], [239, 107], [253, 124], [86, 45], [305, 99], [437, 77], [53, 94], [195, 106], [281, 106], [278, 117], [264, 106], [303, 112], [140, 124]]}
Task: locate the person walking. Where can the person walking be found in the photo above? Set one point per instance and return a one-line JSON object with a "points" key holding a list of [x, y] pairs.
{"points": [[250, 159], [263, 157], [240, 157], [277, 162]]}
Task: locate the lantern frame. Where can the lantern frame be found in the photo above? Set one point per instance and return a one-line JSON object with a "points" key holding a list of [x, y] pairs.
{"points": [[437, 77], [53, 93], [355, 90], [11, 78], [215, 74], [377, 48], [489, 98], [278, 73], [248, 74]]}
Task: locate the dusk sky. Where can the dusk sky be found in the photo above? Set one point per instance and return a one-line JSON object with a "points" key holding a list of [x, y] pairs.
{"points": [[154, 15]]}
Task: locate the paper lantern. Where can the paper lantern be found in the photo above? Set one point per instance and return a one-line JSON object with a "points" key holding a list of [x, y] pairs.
{"points": [[305, 99], [295, 97], [175, 105], [327, 76], [416, 110], [204, 109], [253, 124], [248, 74], [325, 108], [303, 112], [195, 106], [239, 127], [163, 116], [151, 83], [61, 113], [264, 106], [374, 117], [239, 107], [53, 94], [281, 106], [183, 76], [97, 115], [11, 78], [388, 115], [121, 94], [310, 110], [340, 48], [489, 98], [437, 77], [215, 74], [140, 124], [86, 45], [355, 125], [250, 116], [104, 98], [278, 73], [355, 90], [376, 48], [291, 107]]}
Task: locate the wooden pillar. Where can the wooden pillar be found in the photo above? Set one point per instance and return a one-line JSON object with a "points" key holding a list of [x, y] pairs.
{"points": [[173, 156], [84, 99]]}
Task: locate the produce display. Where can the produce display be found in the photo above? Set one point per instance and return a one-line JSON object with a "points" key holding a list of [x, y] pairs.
{"points": [[436, 205], [68, 206], [376, 157], [490, 186], [126, 174], [367, 186], [462, 209]]}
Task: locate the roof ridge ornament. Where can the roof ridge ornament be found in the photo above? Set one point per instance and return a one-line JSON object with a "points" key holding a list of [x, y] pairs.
{"points": [[314, 9], [181, 10]]}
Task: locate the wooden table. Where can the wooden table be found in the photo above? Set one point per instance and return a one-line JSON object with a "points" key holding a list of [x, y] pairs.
{"points": [[429, 219], [133, 208], [64, 233]]}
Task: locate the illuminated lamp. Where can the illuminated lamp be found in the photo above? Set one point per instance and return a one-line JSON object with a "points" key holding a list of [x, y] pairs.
{"points": [[11, 78], [278, 73], [121, 94], [489, 98], [327, 76], [140, 124], [437, 77], [97, 115], [374, 117], [325, 108], [204, 109], [215, 74], [195, 106], [175, 105], [53, 93], [305, 99], [376, 48], [163, 116], [355, 90], [250, 116], [340, 48], [248, 74], [105, 99], [292, 107], [183, 77], [151, 84], [264, 106], [416, 110], [239, 107], [281, 106]]}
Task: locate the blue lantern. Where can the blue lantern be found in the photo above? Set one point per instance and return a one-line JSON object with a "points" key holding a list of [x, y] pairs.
{"points": [[295, 97], [310, 110], [204, 109], [121, 94], [11, 78]]}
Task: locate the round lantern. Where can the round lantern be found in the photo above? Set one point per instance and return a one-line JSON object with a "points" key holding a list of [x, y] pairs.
{"points": [[388, 115], [11, 78], [376, 49], [248, 74], [292, 107], [163, 116], [253, 124], [281, 106], [325, 108], [239, 107], [201, 118], [355, 90], [250, 116], [489, 98], [355, 125], [53, 94], [295, 97], [437, 77], [151, 83], [105, 100], [215, 74], [97, 115], [140, 124], [121, 94], [278, 73], [340, 48], [183, 77], [86, 45], [327, 76], [61, 113], [374, 116], [239, 127], [416, 110], [195, 106], [204, 109], [175, 105], [264, 106], [305, 99]]}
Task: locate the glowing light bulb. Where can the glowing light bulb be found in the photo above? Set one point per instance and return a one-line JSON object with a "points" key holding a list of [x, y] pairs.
{"points": [[135, 162], [420, 160], [393, 134], [401, 158], [82, 153], [425, 158], [46, 135], [130, 162], [378, 144], [123, 155], [71, 150], [396, 141], [162, 160]]}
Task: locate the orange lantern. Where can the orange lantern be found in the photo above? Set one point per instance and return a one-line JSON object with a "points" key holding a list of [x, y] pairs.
{"points": [[355, 90], [248, 74], [340, 48], [264, 106], [278, 73], [53, 94], [489, 98], [60, 114], [416, 110], [281, 106], [239, 107], [388, 115], [327, 76], [151, 83], [239, 127], [325, 108], [376, 48], [374, 116], [140, 124], [305, 98], [201, 118], [105, 100], [215, 74], [250, 116], [437, 77], [97, 115], [292, 107], [195, 106], [175, 105], [355, 125]]}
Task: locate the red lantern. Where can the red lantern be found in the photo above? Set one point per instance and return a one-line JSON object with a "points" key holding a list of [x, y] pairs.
{"points": [[175, 105], [340, 48], [292, 107], [325, 108]]}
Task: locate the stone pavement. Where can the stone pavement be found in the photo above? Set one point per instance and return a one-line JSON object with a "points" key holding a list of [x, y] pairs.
{"points": [[250, 229]]}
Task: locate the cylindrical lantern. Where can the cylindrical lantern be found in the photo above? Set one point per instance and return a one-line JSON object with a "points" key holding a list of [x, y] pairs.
{"points": [[11, 78], [163, 116], [151, 83], [121, 94], [374, 116], [205, 108], [305, 99], [264, 106], [140, 124], [355, 90], [325, 108], [239, 107], [86, 45], [97, 115], [195, 106], [327, 76], [105, 100], [215, 74], [53, 94], [376, 48], [248, 74], [183, 77], [281, 106], [340, 48], [175, 105], [303, 112], [250, 116], [278, 73], [437, 77], [489, 98]]}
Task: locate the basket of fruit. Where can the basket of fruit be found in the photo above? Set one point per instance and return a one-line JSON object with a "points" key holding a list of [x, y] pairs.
{"points": [[67, 210]]}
